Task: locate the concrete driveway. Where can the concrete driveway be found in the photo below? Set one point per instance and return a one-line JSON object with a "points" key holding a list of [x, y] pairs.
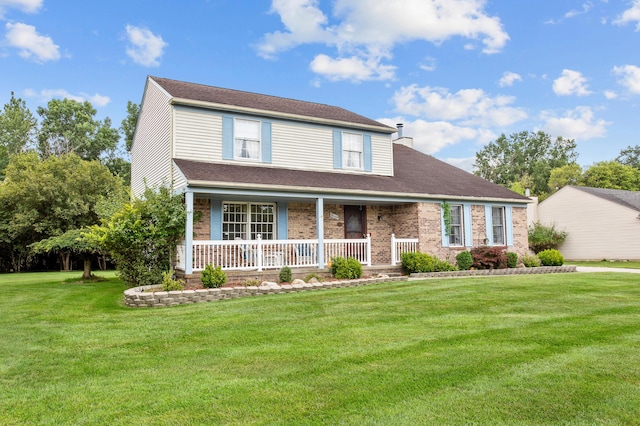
{"points": [[603, 269]]}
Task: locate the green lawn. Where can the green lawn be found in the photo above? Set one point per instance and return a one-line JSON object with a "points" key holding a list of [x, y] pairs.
{"points": [[539, 349]]}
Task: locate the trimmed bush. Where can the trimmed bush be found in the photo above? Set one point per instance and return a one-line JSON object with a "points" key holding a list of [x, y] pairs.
{"points": [[531, 261], [512, 259], [169, 283], [443, 265], [349, 268], [489, 257], [212, 277], [416, 262], [545, 237], [285, 275], [311, 275], [551, 257], [464, 260]]}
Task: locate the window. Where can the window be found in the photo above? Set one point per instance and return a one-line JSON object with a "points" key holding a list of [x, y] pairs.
{"points": [[246, 139], [455, 229], [351, 150], [497, 219], [247, 220]]}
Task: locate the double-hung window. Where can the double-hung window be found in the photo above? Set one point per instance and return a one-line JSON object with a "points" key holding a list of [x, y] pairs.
{"points": [[247, 220], [246, 139], [352, 150], [498, 223], [456, 237]]}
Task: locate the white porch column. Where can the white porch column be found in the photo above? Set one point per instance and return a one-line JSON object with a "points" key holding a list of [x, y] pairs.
{"points": [[320, 230], [188, 234]]}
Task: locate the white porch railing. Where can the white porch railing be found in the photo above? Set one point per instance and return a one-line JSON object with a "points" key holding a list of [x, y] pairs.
{"points": [[402, 245], [270, 254]]}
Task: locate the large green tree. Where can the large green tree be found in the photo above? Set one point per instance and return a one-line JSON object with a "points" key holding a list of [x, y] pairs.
{"points": [[612, 175], [630, 156], [17, 129], [128, 125], [43, 198], [524, 156], [69, 127], [569, 174]]}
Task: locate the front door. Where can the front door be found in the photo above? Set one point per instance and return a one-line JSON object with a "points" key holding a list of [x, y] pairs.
{"points": [[355, 221]]}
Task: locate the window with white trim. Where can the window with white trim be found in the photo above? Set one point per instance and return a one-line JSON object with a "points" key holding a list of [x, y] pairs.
{"points": [[246, 220], [498, 223], [456, 229], [246, 139], [352, 148]]}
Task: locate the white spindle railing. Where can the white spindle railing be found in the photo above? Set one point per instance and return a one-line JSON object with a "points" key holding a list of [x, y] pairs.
{"points": [[402, 245], [359, 249]]}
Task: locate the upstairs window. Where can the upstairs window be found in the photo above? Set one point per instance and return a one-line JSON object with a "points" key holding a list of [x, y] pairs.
{"points": [[246, 140], [351, 150], [498, 223]]}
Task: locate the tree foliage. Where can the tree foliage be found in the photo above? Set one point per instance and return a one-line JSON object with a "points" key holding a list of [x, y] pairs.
{"points": [[524, 156], [71, 242], [569, 174], [69, 127], [612, 175], [128, 125], [142, 236], [17, 129], [630, 156]]}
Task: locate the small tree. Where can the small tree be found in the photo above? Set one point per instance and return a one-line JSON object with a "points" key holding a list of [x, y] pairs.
{"points": [[543, 237], [71, 242]]}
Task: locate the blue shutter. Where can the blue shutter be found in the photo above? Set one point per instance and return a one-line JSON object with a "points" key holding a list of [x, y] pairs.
{"points": [[266, 142], [337, 149], [216, 220], [283, 221], [508, 223], [445, 237], [227, 137], [488, 218], [468, 231], [367, 153]]}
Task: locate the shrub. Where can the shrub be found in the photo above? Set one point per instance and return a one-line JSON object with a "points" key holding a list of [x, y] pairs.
{"points": [[169, 283], [349, 268], [551, 257], [212, 277], [512, 259], [443, 265], [251, 282], [416, 262], [489, 257], [545, 237], [464, 260], [531, 261], [285, 275], [311, 275]]}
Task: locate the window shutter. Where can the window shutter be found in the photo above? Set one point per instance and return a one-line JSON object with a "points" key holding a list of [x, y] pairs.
{"points": [[367, 157], [337, 149], [266, 142], [508, 223], [216, 220], [445, 237], [488, 219], [283, 221], [468, 235], [227, 137]]}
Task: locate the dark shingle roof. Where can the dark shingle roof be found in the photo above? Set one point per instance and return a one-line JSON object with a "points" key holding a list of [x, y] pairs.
{"points": [[416, 175], [630, 199], [266, 103]]}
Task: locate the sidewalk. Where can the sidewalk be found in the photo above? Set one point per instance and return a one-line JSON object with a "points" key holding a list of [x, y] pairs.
{"points": [[603, 269]]}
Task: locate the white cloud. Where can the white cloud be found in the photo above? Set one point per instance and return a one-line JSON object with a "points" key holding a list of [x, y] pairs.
{"points": [[468, 106], [578, 123], [31, 45], [369, 30], [508, 78], [575, 12], [46, 95], [630, 15], [145, 47], [428, 64], [27, 6], [610, 94], [571, 83], [630, 77], [353, 68]]}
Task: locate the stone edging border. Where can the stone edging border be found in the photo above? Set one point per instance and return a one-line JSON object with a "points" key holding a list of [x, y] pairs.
{"points": [[145, 296]]}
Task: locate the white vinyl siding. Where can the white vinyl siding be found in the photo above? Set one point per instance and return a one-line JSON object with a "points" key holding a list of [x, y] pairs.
{"points": [[198, 134], [596, 228], [382, 154], [151, 150]]}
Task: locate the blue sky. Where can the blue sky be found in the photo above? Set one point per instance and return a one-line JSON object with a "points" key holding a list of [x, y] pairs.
{"points": [[457, 73]]}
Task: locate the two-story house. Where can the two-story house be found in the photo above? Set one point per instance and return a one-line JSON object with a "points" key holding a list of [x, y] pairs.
{"points": [[280, 182]]}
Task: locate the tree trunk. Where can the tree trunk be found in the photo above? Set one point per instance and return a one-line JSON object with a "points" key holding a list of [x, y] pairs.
{"points": [[86, 270], [65, 258]]}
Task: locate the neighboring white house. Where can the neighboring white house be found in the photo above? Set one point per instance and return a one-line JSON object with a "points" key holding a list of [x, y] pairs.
{"points": [[601, 223], [279, 181]]}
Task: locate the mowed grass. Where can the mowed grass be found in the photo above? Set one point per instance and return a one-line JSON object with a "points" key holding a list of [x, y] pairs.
{"points": [[540, 349]]}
